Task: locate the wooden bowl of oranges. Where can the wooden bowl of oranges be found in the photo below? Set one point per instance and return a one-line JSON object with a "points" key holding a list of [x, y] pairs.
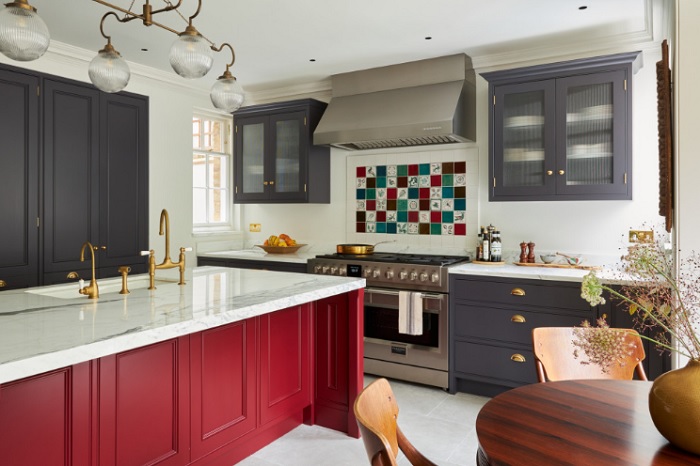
{"points": [[282, 244]]}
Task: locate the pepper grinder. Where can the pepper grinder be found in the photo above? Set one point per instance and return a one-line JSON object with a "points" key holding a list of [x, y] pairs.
{"points": [[523, 252], [531, 253]]}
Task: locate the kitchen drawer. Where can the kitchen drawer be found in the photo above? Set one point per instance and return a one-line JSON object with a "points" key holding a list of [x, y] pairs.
{"points": [[495, 362], [535, 293], [510, 325]]}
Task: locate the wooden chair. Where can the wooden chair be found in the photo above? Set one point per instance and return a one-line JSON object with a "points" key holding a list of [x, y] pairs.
{"points": [[554, 357], [376, 411]]}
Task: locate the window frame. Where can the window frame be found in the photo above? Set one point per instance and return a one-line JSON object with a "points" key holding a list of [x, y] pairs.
{"points": [[227, 134]]}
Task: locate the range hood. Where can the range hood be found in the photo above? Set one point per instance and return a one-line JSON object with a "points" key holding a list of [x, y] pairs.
{"points": [[410, 104]]}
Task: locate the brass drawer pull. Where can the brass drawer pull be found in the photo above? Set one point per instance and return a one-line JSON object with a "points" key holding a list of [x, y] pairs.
{"points": [[3, 283], [518, 319], [517, 358], [517, 292]]}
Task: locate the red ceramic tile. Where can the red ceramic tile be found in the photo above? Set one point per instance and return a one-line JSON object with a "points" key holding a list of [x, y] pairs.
{"points": [[424, 193], [360, 228], [424, 204], [461, 229], [460, 167], [402, 181], [361, 172], [371, 205], [436, 180], [381, 215], [391, 193], [436, 216], [413, 170], [413, 216]]}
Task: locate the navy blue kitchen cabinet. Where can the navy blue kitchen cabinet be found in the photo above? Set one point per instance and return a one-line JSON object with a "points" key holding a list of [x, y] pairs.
{"points": [[79, 172], [19, 179], [274, 158], [562, 131], [491, 322]]}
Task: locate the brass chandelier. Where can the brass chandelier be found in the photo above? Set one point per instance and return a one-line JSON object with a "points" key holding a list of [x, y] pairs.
{"points": [[25, 37]]}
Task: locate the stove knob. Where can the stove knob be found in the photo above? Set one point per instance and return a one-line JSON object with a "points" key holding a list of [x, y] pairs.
{"points": [[424, 276], [334, 270], [367, 272], [317, 269], [389, 274], [324, 270], [343, 271], [435, 277], [403, 275], [376, 273], [414, 275]]}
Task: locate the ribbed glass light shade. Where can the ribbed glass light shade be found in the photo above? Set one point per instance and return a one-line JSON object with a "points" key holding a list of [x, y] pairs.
{"points": [[108, 71], [23, 34], [191, 56], [227, 94]]}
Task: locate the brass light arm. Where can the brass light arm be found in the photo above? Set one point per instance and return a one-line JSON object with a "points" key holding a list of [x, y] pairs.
{"points": [[233, 55], [133, 15]]}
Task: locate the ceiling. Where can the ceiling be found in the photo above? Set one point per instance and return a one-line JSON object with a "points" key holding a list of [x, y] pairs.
{"points": [[276, 40]]}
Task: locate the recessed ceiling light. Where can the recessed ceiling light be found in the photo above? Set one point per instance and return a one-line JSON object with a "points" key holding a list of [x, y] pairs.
{"points": [[583, 7], [144, 50], [428, 37], [313, 59]]}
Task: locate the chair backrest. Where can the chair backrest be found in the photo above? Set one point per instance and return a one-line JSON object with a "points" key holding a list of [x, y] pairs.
{"points": [[554, 357], [376, 411]]}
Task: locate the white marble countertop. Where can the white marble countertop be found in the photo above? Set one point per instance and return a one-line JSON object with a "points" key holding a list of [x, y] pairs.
{"points": [[50, 327], [530, 272], [257, 254]]}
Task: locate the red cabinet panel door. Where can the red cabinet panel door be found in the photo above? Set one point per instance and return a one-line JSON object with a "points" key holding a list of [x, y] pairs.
{"points": [[285, 362], [144, 405], [44, 420], [332, 350], [223, 385]]}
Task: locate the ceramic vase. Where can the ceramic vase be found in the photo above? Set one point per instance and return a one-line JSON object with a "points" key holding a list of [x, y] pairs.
{"points": [[674, 405]]}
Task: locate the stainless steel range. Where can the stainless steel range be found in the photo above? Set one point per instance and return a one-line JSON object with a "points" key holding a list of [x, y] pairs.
{"points": [[417, 358]]}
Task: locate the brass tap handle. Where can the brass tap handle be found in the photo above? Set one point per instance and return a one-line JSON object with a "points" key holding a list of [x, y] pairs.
{"points": [[181, 265], [151, 268], [3, 283], [124, 270]]}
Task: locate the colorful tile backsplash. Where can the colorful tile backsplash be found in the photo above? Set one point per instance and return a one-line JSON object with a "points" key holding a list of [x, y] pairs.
{"points": [[414, 199]]}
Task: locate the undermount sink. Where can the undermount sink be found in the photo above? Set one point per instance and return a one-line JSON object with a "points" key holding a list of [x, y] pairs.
{"points": [[106, 286]]}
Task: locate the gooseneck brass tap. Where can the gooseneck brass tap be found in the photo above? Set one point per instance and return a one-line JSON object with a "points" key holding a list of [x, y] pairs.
{"points": [[167, 262], [92, 290]]}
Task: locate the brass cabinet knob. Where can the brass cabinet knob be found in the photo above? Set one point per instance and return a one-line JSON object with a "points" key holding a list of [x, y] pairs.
{"points": [[517, 292], [264, 183], [550, 173], [518, 319], [3, 283], [517, 358], [272, 183], [561, 172]]}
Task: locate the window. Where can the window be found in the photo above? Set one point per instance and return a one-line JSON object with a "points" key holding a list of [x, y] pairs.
{"points": [[211, 173]]}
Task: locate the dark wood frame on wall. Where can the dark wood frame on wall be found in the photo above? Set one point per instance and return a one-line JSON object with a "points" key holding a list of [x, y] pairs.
{"points": [[665, 114]]}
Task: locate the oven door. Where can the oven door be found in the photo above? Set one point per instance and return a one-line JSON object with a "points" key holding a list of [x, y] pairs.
{"points": [[384, 342]]}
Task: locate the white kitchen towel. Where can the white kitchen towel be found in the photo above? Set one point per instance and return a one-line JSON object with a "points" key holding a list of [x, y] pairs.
{"points": [[410, 313]]}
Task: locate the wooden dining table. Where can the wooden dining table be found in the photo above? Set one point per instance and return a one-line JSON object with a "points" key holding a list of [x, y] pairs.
{"points": [[580, 422]]}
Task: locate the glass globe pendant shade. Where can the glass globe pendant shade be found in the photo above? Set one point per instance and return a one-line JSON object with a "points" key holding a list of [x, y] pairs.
{"points": [[108, 71], [226, 93], [190, 55], [23, 34]]}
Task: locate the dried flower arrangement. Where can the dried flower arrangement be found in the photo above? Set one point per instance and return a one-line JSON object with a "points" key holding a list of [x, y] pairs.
{"points": [[665, 306]]}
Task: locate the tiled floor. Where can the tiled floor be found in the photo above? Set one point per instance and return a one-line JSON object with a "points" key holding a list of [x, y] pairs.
{"points": [[440, 425]]}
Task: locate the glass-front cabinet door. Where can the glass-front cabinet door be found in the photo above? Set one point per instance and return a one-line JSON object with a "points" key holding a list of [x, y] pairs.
{"points": [[525, 158], [287, 165], [592, 148], [250, 135]]}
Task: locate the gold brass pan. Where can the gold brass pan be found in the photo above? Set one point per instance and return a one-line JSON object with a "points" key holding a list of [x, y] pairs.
{"points": [[355, 249]]}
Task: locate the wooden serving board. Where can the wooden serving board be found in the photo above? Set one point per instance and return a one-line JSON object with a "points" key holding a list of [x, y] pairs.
{"points": [[558, 266], [488, 263]]}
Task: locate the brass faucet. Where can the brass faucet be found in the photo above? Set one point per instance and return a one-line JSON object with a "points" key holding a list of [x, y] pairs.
{"points": [[91, 290], [167, 262], [124, 270]]}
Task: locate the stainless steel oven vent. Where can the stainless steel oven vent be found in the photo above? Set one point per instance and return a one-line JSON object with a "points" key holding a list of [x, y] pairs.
{"points": [[418, 103]]}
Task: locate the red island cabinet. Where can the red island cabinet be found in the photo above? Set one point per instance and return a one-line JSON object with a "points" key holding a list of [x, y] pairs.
{"points": [[212, 397]]}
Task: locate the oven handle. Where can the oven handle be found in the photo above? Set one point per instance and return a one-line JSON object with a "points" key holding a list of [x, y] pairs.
{"points": [[396, 293]]}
